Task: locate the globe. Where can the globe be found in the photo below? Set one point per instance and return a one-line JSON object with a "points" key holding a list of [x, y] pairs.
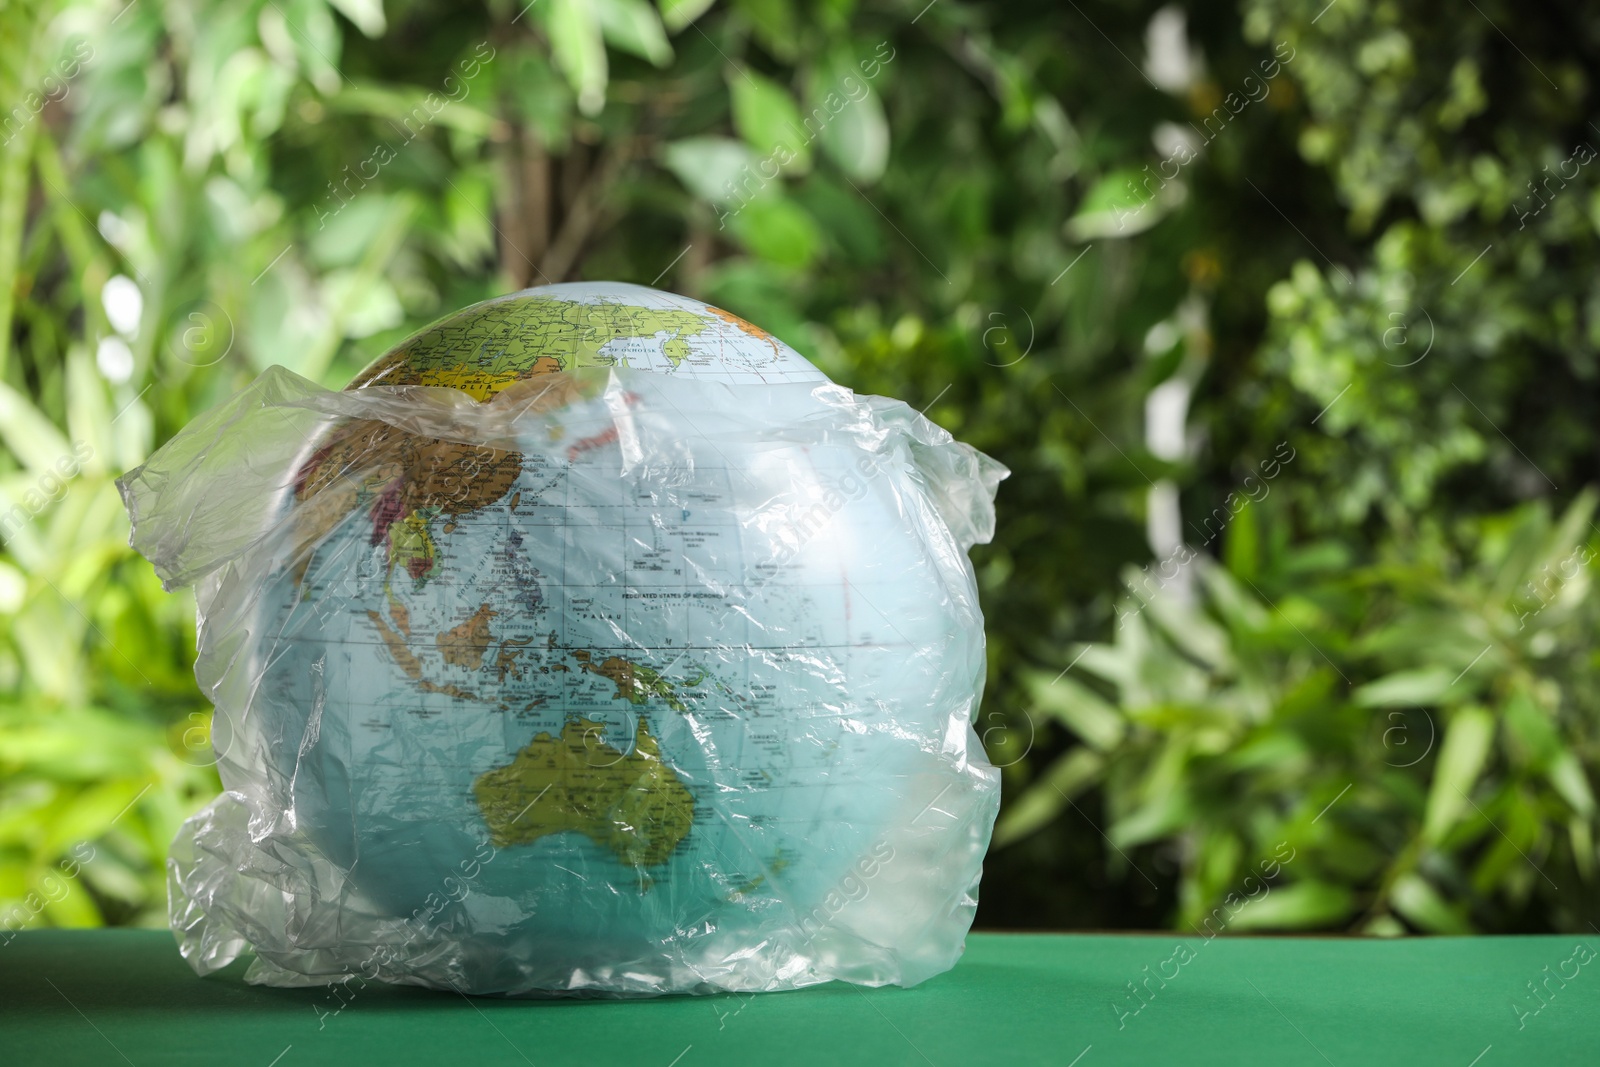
{"points": [[670, 690]]}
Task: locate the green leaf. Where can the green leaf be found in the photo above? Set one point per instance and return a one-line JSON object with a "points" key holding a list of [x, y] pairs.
{"points": [[314, 38], [634, 26], [1189, 630], [580, 50], [1406, 689], [1162, 816], [766, 117], [67, 903], [343, 237], [719, 170], [19, 63], [540, 95], [1036, 808], [32, 438], [89, 814], [679, 13], [1271, 752], [854, 127], [1534, 736], [350, 296], [1421, 903], [1574, 527], [1123, 203], [1580, 835], [368, 303], [849, 221], [88, 413], [778, 230], [111, 877], [1461, 760], [413, 111], [366, 14], [775, 24], [1238, 607], [13, 589], [1084, 711], [468, 235], [1112, 662], [1567, 776], [1296, 906], [1241, 545]]}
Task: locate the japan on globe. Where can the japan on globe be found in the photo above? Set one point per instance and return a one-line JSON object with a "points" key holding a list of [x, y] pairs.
{"points": [[591, 642]]}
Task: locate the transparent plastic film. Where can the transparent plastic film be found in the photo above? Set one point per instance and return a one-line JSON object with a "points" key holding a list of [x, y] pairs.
{"points": [[617, 682]]}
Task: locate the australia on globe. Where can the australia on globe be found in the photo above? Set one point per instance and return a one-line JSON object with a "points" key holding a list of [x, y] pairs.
{"points": [[591, 642]]}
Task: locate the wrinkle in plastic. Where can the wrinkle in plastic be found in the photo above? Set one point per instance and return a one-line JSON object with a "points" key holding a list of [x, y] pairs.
{"points": [[627, 684]]}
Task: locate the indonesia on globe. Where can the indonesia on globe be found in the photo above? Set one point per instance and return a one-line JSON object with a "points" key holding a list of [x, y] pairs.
{"points": [[591, 642]]}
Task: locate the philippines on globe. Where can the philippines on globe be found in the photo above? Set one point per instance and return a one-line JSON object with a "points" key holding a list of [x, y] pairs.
{"points": [[591, 642]]}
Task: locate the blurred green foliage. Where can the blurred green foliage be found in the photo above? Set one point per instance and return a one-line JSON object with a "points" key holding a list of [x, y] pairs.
{"points": [[1308, 286]]}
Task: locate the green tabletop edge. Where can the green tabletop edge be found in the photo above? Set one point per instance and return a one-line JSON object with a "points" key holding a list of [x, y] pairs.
{"points": [[1072, 1000]]}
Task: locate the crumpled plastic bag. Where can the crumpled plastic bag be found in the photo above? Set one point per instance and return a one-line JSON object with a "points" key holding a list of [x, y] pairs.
{"points": [[628, 684]]}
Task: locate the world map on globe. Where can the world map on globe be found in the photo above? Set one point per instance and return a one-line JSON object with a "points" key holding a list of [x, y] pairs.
{"points": [[417, 489]]}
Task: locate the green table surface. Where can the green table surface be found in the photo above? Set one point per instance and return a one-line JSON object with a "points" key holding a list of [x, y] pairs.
{"points": [[113, 997]]}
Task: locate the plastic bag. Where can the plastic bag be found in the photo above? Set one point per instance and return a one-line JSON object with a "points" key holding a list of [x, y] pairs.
{"points": [[618, 684]]}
